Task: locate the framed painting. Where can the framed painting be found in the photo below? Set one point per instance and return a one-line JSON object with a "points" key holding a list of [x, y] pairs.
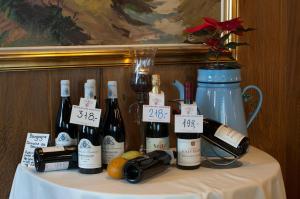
{"points": [[39, 34]]}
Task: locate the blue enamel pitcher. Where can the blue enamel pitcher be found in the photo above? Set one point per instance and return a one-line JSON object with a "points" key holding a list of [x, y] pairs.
{"points": [[220, 97]]}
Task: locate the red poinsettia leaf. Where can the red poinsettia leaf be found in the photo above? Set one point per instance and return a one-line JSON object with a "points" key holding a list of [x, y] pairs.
{"points": [[199, 28], [231, 25], [211, 21]]}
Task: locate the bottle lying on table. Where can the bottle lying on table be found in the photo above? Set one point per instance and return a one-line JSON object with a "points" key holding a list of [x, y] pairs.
{"points": [[55, 158], [146, 166]]}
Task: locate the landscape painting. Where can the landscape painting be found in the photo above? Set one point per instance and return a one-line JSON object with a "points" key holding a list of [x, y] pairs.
{"points": [[26, 23]]}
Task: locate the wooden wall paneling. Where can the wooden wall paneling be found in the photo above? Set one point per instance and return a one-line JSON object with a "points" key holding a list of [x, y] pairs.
{"points": [[292, 109], [77, 79], [23, 108], [271, 63]]}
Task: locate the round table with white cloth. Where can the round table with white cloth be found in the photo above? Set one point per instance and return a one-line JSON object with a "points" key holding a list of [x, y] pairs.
{"points": [[258, 178]]}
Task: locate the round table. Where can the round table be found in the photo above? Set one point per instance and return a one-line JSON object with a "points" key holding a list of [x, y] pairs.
{"points": [[259, 177]]}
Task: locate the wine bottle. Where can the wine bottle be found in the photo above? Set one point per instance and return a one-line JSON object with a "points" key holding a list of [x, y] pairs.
{"points": [[55, 158], [113, 129], [65, 132], [157, 134], [89, 147], [225, 137], [188, 144], [144, 167]]}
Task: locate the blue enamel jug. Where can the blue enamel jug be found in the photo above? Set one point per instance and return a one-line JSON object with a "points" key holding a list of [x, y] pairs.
{"points": [[220, 97]]}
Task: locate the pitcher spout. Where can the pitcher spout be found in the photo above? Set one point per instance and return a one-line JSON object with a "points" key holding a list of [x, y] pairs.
{"points": [[179, 86]]}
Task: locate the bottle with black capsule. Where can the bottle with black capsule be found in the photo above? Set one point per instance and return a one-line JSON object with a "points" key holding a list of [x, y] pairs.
{"points": [[55, 158], [65, 132], [228, 139], [157, 134], [89, 147], [188, 144], [113, 128]]}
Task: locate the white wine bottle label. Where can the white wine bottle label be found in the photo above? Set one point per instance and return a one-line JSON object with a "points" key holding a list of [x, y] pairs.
{"points": [[153, 144], [188, 152], [89, 156], [65, 88], [112, 90], [64, 139], [111, 148], [229, 135], [54, 166], [53, 149]]}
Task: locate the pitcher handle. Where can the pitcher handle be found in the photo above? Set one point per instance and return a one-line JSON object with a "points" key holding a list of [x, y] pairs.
{"points": [[258, 106]]}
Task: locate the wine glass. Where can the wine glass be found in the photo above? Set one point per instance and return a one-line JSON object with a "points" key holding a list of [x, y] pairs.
{"points": [[140, 82]]}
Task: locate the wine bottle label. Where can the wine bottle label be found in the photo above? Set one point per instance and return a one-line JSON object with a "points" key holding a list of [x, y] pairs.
{"points": [[153, 144], [65, 90], [188, 152], [111, 148], [229, 135], [54, 166], [64, 139], [89, 156], [112, 90], [53, 149]]}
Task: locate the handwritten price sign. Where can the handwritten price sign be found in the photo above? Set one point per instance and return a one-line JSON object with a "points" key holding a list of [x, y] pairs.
{"points": [[85, 116], [156, 114], [188, 124]]}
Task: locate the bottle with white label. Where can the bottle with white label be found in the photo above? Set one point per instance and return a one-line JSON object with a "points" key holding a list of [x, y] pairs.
{"points": [[65, 132], [225, 137], [157, 134], [55, 158], [89, 147], [113, 128], [188, 144]]}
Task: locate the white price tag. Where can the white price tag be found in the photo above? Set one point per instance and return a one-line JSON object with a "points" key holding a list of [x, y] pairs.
{"points": [[188, 109], [156, 99], [156, 114], [85, 116], [188, 124], [33, 141], [87, 103]]}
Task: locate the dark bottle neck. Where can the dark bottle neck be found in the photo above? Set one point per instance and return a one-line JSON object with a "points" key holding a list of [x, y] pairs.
{"points": [[188, 93], [112, 102]]}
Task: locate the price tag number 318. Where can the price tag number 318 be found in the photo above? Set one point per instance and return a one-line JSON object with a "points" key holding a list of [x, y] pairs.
{"points": [[86, 115]]}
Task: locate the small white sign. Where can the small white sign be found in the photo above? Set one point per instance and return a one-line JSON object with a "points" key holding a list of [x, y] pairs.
{"points": [[156, 99], [189, 109], [188, 124], [87, 103], [85, 116], [156, 114], [33, 140]]}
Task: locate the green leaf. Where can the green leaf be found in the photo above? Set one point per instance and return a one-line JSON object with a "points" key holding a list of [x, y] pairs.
{"points": [[233, 45], [225, 37]]}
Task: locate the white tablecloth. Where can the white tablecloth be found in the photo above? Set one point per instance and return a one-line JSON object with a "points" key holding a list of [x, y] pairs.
{"points": [[259, 178]]}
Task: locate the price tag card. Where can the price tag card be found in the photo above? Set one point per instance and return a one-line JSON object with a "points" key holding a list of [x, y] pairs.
{"points": [[156, 114], [188, 124], [33, 140], [85, 116], [87, 103], [156, 99], [189, 109]]}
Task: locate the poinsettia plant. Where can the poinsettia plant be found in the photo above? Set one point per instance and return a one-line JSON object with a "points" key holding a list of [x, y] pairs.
{"points": [[216, 34]]}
